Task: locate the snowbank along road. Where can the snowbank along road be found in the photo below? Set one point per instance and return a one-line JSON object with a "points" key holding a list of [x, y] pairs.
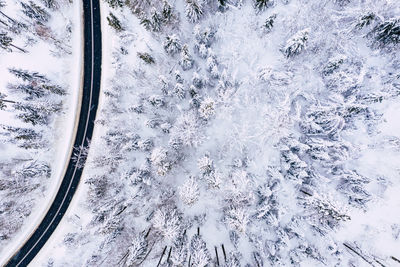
{"points": [[90, 98]]}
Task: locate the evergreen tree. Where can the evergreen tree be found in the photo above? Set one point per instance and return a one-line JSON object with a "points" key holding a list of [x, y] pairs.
{"points": [[342, 2], [3, 101], [206, 165], [324, 211], [33, 169], [6, 43], [211, 61], [194, 10], [197, 81], [293, 167], [25, 138], [167, 12], [32, 91], [145, 21], [269, 22], [222, 5], [36, 113], [35, 12], [387, 32], [333, 64], [353, 186], [172, 44], [38, 85], [261, 5], [156, 20], [146, 57], [203, 51], [186, 60], [115, 3], [28, 76], [164, 84], [205, 36], [114, 22], [366, 20], [179, 90], [52, 4], [296, 43]]}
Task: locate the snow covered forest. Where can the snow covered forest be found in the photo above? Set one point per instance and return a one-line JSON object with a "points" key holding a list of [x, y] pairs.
{"points": [[35, 79], [230, 133]]}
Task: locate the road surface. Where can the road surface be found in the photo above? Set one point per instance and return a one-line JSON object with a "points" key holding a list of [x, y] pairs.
{"points": [[87, 115]]}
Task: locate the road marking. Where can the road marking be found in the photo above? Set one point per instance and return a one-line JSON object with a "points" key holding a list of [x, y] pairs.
{"points": [[83, 141]]}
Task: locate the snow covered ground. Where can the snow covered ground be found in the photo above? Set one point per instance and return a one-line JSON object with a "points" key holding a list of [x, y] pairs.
{"points": [[272, 130], [64, 68]]}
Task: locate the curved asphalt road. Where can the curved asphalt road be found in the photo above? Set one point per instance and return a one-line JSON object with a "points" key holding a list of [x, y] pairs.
{"points": [[90, 98]]}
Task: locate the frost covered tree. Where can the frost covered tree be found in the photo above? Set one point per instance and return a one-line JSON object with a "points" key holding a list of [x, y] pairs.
{"points": [[200, 256], [296, 43], [159, 158], [293, 166], [189, 191], [35, 12], [167, 221], [156, 100], [186, 130], [207, 108], [180, 250], [211, 61], [208, 172], [325, 210], [233, 259], [237, 218], [204, 37], [186, 60], [172, 44], [36, 85], [206, 165], [24, 137], [4, 100], [36, 113], [137, 250], [197, 80], [179, 90], [353, 186], [114, 22], [33, 169], [194, 10]]}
